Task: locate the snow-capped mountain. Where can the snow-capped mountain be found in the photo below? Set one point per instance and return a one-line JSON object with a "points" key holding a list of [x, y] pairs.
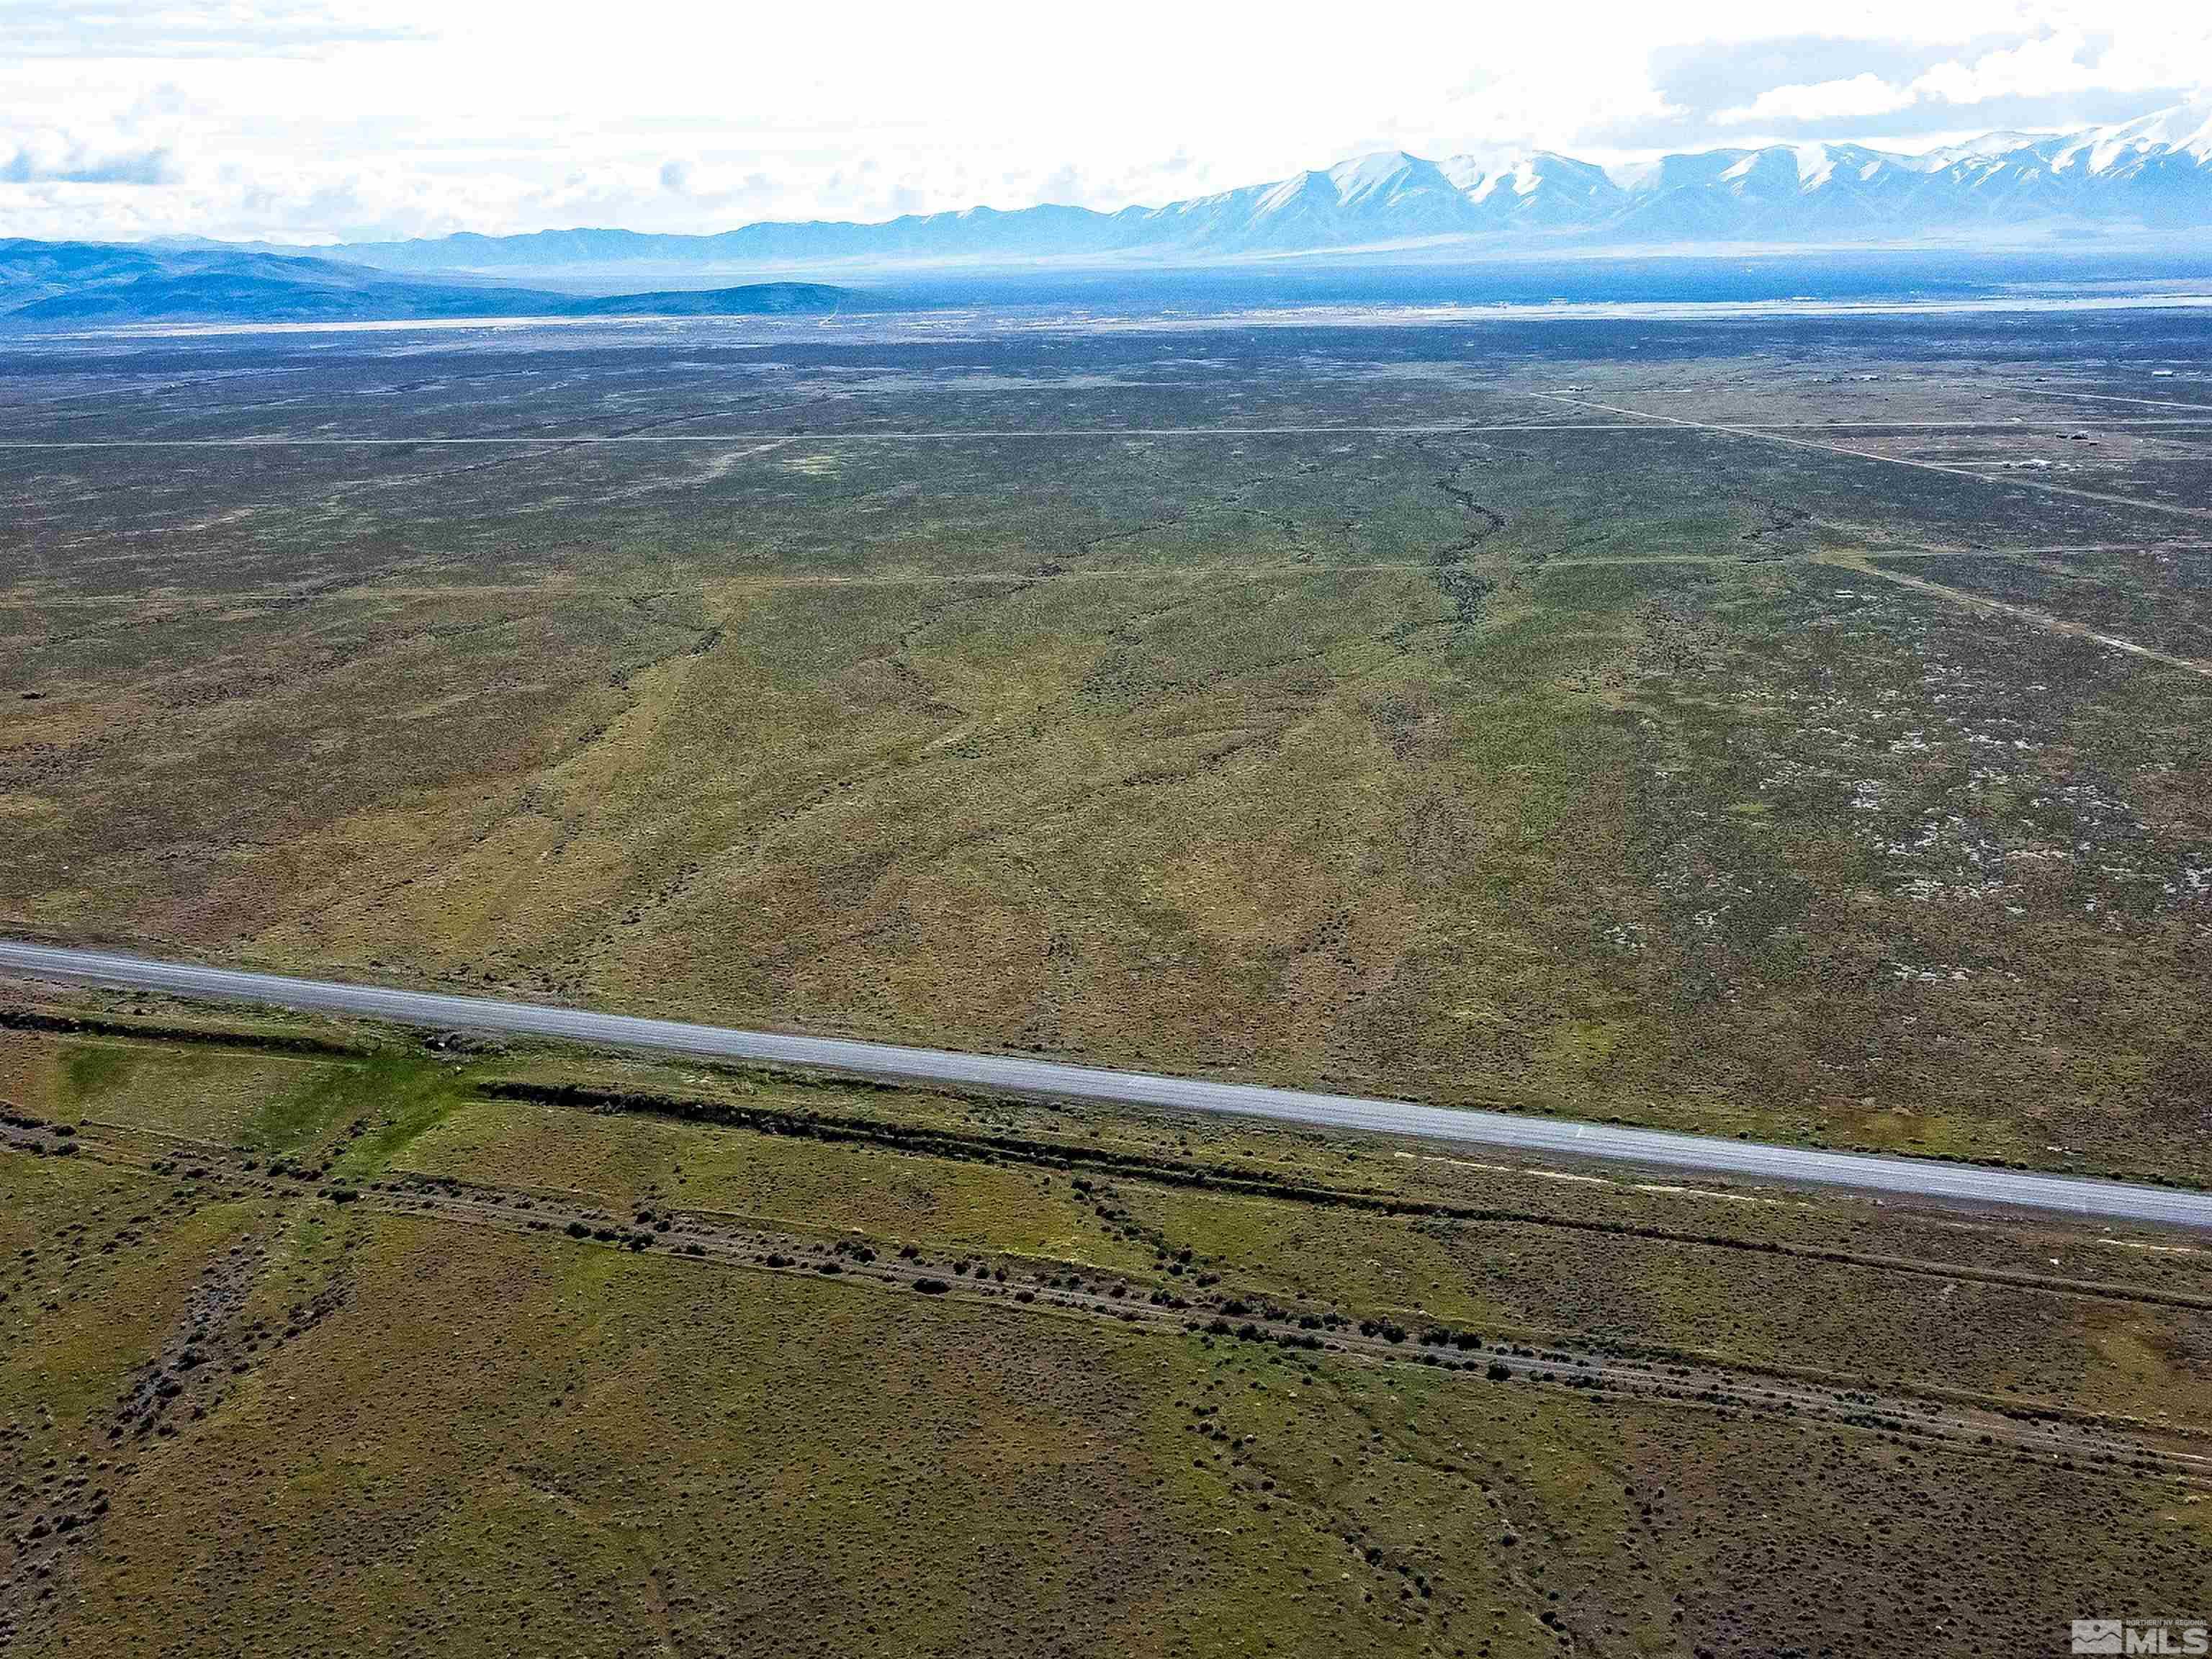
{"points": [[1387, 198], [1537, 190], [2183, 131], [2147, 177]]}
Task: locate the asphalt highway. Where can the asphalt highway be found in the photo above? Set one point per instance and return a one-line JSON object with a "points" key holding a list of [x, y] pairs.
{"points": [[1010, 1075]]}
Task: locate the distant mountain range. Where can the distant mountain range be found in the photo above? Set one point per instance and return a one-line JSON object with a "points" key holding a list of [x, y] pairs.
{"points": [[2150, 177], [56, 285], [2143, 182]]}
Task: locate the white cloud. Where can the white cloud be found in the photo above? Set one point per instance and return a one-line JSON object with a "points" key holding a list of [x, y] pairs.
{"points": [[135, 29], [319, 119], [59, 158], [1828, 101], [2034, 69]]}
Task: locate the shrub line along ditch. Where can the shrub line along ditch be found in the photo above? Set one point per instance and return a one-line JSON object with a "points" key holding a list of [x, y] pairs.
{"points": [[1602, 1370], [923, 1141], [251, 985], [281, 1042], [1051, 1154], [1059, 1154]]}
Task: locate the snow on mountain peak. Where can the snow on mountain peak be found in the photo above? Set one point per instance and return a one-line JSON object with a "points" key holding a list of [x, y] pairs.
{"points": [[1366, 172], [1480, 178], [2135, 179], [1973, 149], [1816, 165], [2182, 129], [1464, 172]]}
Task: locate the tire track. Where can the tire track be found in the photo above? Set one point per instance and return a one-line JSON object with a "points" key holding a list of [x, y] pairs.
{"points": [[1860, 564]]}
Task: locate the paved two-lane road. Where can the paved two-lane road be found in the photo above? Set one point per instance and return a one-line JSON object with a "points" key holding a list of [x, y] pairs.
{"points": [[1004, 1073]]}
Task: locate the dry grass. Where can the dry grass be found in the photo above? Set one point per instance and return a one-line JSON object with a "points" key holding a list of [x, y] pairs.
{"points": [[1597, 795], [408, 1435]]}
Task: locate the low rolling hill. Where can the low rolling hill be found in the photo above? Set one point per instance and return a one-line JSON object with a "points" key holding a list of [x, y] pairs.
{"points": [[64, 285]]}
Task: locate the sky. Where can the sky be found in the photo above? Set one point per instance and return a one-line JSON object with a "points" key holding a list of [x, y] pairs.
{"points": [[314, 121]]}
